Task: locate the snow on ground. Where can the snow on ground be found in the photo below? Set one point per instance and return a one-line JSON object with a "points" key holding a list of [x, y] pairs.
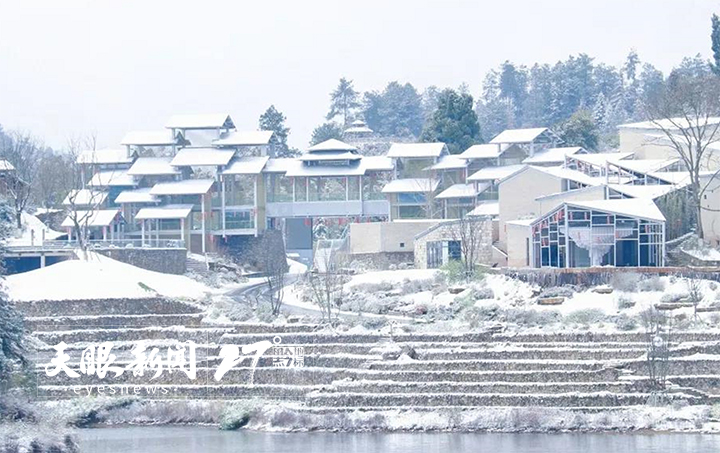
{"points": [[389, 279], [99, 278], [296, 267], [32, 232]]}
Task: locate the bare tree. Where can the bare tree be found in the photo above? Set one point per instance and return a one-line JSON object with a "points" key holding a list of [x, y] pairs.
{"points": [[327, 280], [270, 253], [22, 151], [686, 112], [658, 332], [469, 232], [80, 203], [49, 188]]}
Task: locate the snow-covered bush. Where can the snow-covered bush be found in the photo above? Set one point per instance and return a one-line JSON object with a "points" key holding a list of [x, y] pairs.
{"points": [[651, 283], [585, 317], [625, 322], [673, 297], [236, 414], [531, 317], [625, 281], [624, 302], [559, 291]]}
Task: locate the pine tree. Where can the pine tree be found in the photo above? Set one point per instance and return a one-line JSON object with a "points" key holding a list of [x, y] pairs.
{"points": [[274, 120], [396, 112], [715, 43], [12, 349], [580, 130], [454, 122], [326, 131], [343, 101]]}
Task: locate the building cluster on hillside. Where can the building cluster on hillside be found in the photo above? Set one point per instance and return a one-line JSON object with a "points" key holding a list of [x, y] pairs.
{"points": [[537, 203]]}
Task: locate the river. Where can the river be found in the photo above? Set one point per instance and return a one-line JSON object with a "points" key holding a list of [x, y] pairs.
{"points": [[194, 439]]}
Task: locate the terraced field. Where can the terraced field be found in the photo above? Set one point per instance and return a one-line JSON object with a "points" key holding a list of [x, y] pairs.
{"points": [[369, 371]]}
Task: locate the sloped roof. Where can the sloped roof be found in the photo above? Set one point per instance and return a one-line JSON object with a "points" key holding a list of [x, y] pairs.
{"points": [[168, 212], [279, 164], [197, 157], [643, 165], [553, 155], [331, 145], [153, 166], [484, 151], [243, 138], [650, 191], [495, 173], [6, 166], [185, 187], [329, 155], [97, 218], [490, 208], [200, 121], [599, 159], [377, 163], [85, 197], [142, 195], [668, 123], [298, 169], [459, 191], [448, 162], [104, 156], [411, 185], [632, 207], [571, 175], [519, 135], [246, 165], [111, 178], [149, 138], [417, 150]]}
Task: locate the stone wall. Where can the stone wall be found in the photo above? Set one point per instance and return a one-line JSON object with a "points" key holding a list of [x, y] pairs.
{"points": [[168, 261], [447, 232], [383, 260]]}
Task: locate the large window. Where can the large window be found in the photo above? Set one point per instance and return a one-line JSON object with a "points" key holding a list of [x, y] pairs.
{"points": [[279, 188]]}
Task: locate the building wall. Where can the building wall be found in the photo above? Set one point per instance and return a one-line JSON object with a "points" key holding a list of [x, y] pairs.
{"points": [[518, 193], [517, 245], [636, 141], [711, 215], [444, 232], [386, 237], [549, 203]]}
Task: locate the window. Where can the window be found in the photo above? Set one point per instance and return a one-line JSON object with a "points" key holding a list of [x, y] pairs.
{"points": [[411, 198], [402, 245]]}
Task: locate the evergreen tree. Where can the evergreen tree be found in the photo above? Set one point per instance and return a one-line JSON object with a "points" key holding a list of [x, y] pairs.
{"points": [[454, 122], [274, 120], [715, 43], [343, 101], [12, 349], [326, 131], [429, 102], [396, 112], [580, 130]]}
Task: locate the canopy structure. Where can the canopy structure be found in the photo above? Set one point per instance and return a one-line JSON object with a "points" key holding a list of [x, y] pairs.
{"points": [[169, 212], [137, 196], [484, 151], [112, 178], [185, 187], [417, 150], [448, 162], [495, 173], [459, 191], [553, 155], [525, 136], [246, 165], [411, 185], [104, 157], [96, 218], [85, 197]]}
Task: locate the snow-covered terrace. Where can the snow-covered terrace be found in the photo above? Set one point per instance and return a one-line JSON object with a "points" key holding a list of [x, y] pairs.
{"points": [[416, 150], [411, 185], [112, 178]]}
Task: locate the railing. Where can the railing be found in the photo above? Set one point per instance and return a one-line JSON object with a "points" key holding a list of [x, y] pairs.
{"points": [[100, 244]]}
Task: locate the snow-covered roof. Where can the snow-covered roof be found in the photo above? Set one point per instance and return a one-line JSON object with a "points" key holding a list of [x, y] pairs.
{"points": [[202, 121], [358, 127], [673, 177], [495, 173], [97, 218], [448, 162], [246, 165], [519, 135], [298, 169], [142, 195], [243, 138], [521, 222], [571, 175], [279, 164], [104, 156], [416, 150], [459, 191], [329, 155], [197, 157], [85, 197], [642, 208], [670, 123], [149, 138], [599, 159], [6, 166], [484, 151], [377, 163], [553, 155], [331, 145], [489, 208], [650, 191], [185, 187], [411, 185], [153, 166], [168, 212], [643, 166], [111, 178]]}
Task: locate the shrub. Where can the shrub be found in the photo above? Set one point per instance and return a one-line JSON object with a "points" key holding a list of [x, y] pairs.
{"points": [[559, 291], [625, 281], [531, 317], [625, 322], [653, 283], [236, 414], [454, 271], [484, 293], [673, 297], [624, 302], [585, 316]]}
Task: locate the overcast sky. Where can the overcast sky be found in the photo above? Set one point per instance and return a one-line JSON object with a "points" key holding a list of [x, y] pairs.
{"points": [[70, 68]]}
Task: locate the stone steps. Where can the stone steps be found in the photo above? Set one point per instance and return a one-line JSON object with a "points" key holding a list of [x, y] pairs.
{"points": [[487, 365], [530, 354], [152, 305], [231, 391], [114, 321]]}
